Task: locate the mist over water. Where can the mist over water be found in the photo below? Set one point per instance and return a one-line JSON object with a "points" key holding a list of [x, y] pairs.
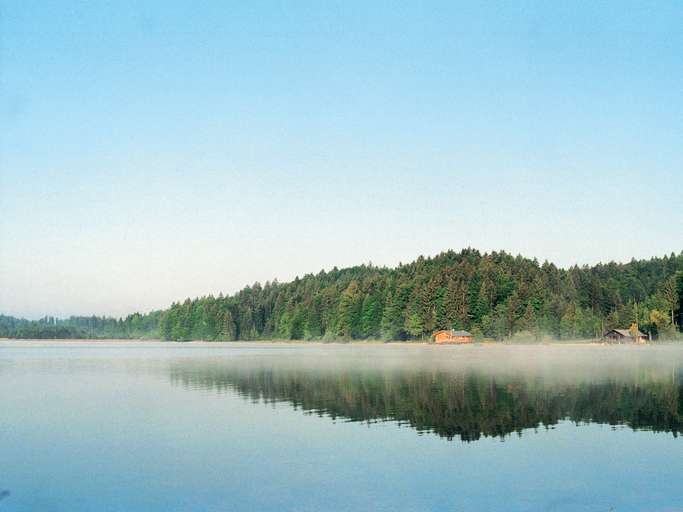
{"points": [[238, 426]]}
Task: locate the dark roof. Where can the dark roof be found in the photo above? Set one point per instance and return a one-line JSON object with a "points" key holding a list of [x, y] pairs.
{"points": [[624, 332]]}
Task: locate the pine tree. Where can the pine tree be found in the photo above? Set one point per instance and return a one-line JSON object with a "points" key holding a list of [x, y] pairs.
{"points": [[371, 316], [392, 319], [349, 312]]}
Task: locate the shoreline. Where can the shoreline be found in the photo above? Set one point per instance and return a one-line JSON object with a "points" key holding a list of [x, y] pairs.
{"points": [[317, 343]]}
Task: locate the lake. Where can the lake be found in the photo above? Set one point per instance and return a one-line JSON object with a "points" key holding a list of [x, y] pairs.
{"points": [[126, 426]]}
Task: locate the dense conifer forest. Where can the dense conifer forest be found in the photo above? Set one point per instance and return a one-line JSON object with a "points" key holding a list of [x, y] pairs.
{"points": [[493, 295]]}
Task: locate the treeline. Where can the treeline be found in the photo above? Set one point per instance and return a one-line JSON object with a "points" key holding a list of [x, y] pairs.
{"points": [[134, 326], [493, 295]]}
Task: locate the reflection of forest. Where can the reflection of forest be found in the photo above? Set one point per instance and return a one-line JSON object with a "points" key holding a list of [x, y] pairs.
{"points": [[465, 402]]}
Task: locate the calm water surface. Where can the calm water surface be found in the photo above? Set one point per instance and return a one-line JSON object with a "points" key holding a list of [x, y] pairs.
{"points": [[178, 427]]}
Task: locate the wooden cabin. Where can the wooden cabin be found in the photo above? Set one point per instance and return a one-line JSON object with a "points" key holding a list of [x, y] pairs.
{"points": [[624, 336], [452, 336]]}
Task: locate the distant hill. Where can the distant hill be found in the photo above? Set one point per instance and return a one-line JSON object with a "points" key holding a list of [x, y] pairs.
{"points": [[134, 326], [494, 295]]}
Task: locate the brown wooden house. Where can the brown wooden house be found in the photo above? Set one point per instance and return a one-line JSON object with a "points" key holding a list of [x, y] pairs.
{"points": [[624, 336], [452, 336]]}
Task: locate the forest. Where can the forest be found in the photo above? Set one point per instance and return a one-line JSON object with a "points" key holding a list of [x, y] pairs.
{"points": [[493, 295]]}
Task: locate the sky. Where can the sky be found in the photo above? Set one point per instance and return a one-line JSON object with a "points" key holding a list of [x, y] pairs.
{"points": [[152, 151]]}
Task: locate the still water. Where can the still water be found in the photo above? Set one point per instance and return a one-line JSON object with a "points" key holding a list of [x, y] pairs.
{"points": [[177, 427]]}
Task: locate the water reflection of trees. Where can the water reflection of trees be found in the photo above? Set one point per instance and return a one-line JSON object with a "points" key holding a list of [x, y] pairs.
{"points": [[465, 403]]}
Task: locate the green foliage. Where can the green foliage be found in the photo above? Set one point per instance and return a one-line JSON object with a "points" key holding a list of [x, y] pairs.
{"points": [[678, 305], [349, 312], [135, 326], [494, 295], [371, 316]]}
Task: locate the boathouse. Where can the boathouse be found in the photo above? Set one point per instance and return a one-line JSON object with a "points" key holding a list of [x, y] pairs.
{"points": [[624, 336], [452, 336]]}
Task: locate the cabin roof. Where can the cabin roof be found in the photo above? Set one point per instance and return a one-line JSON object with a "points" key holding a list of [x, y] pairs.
{"points": [[453, 332], [624, 332]]}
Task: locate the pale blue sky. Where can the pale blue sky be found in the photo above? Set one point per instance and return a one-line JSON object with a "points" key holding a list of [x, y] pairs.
{"points": [[172, 149]]}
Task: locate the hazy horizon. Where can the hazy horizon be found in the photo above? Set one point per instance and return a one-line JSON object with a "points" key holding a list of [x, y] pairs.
{"points": [[153, 153]]}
